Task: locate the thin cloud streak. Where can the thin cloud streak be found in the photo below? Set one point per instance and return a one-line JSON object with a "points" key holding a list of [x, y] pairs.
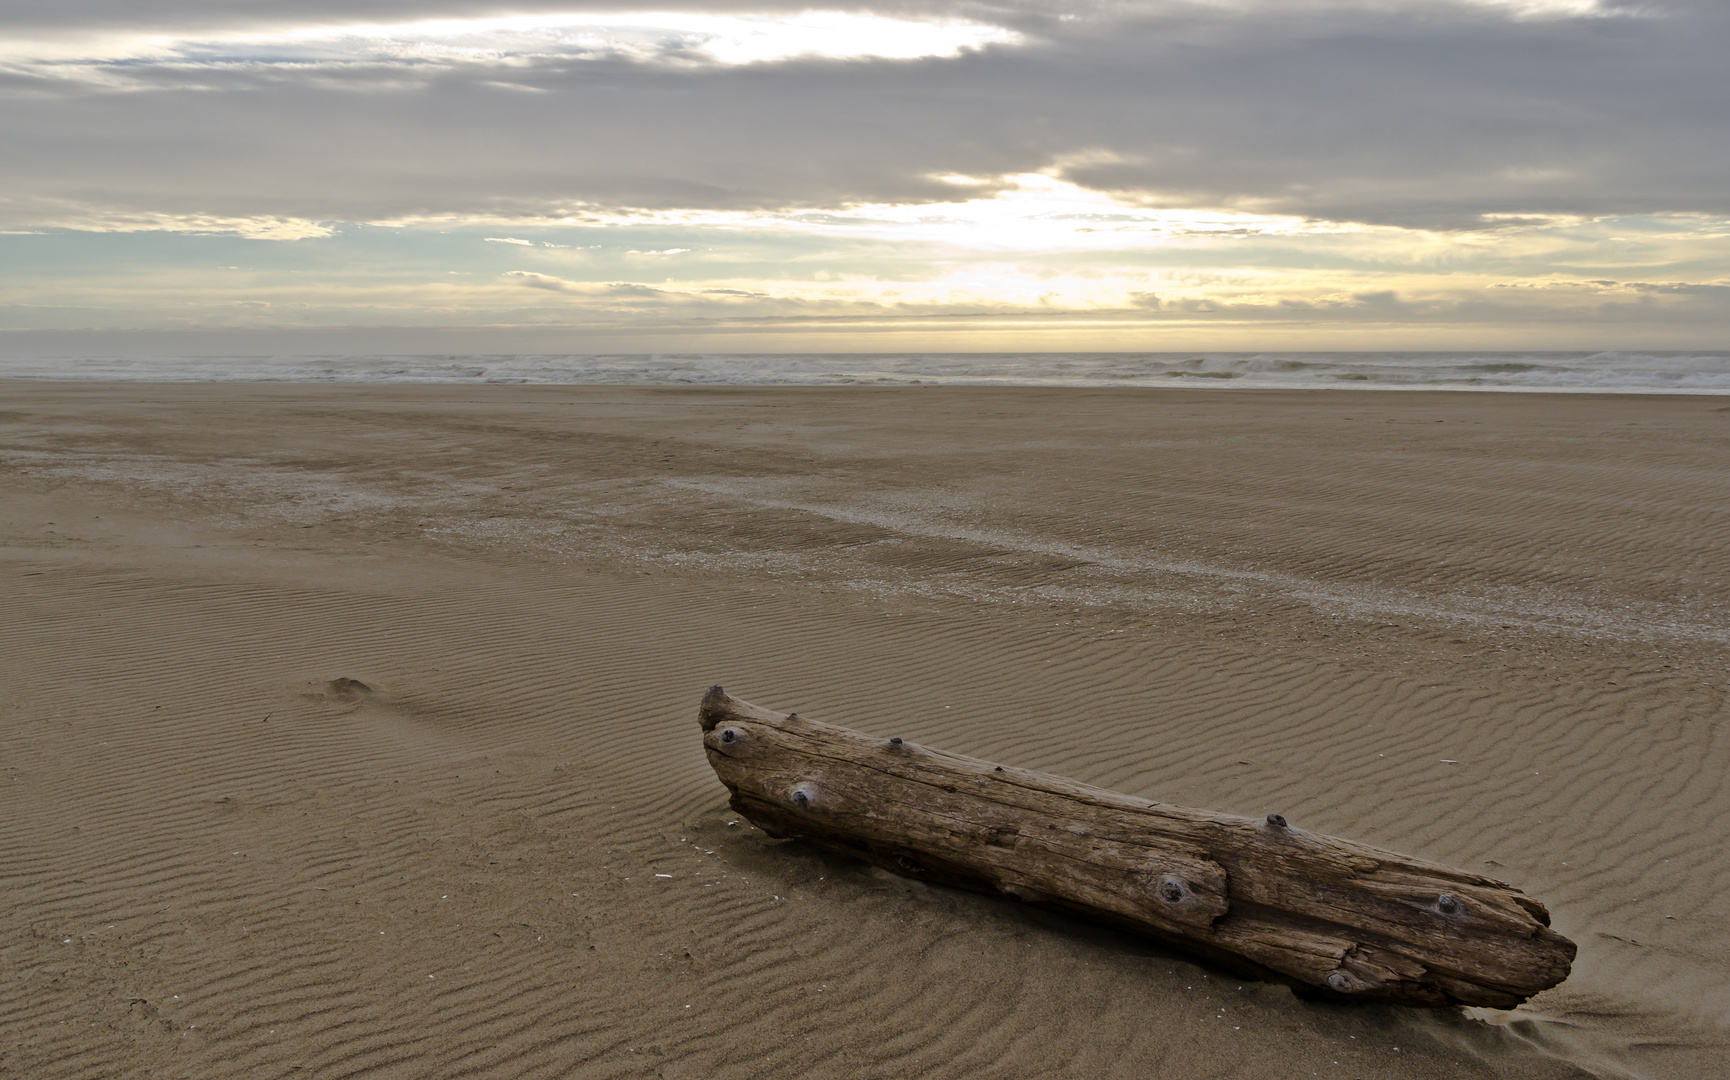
{"points": [[115, 61]]}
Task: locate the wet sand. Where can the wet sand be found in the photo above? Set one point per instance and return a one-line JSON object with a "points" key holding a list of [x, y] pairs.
{"points": [[350, 730]]}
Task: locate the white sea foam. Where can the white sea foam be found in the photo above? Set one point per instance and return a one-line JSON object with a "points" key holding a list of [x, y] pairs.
{"points": [[1577, 372]]}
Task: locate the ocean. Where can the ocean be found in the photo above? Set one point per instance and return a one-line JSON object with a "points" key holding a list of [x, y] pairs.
{"points": [[1571, 372]]}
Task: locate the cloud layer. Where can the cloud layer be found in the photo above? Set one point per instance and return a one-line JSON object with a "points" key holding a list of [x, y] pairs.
{"points": [[1433, 114], [1393, 161]]}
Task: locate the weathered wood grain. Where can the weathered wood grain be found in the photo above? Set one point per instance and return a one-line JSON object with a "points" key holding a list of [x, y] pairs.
{"points": [[1319, 912]]}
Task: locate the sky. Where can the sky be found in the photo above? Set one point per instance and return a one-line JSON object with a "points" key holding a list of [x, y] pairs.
{"points": [[415, 176]]}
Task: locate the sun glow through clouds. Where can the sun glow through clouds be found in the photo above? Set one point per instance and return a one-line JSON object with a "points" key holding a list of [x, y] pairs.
{"points": [[1041, 212], [1026, 212], [1148, 163]]}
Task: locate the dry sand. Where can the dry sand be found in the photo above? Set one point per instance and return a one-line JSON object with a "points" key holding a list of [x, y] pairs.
{"points": [[1489, 630]]}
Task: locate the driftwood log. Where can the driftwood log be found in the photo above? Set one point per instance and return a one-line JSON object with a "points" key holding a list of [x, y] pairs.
{"points": [[1264, 897]]}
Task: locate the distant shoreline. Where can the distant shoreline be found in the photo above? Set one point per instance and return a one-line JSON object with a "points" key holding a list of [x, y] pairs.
{"points": [[1569, 372]]}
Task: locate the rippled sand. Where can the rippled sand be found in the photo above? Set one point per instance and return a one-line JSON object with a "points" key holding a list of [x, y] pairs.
{"points": [[351, 730]]}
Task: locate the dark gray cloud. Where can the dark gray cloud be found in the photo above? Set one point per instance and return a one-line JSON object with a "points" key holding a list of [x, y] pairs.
{"points": [[1428, 114]]}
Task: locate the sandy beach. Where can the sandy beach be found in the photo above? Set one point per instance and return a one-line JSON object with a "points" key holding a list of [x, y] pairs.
{"points": [[351, 729]]}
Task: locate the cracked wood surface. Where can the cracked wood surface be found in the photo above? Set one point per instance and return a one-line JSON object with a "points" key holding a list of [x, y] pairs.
{"points": [[1340, 918]]}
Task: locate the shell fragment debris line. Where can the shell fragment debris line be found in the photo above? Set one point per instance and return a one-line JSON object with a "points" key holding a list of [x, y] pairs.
{"points": [[1329, 917]]}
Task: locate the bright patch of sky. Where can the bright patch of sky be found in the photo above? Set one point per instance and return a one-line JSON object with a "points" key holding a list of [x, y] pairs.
{"points": [[1028, 212], [1040, 212], [665, 37]]}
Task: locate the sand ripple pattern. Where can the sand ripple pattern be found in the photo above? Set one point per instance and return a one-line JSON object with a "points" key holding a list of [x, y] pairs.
{"points": [[303, 788]]}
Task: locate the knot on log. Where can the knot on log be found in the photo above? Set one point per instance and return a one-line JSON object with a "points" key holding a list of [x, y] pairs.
{"points": [[1181, 892], [1276, 820]]}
